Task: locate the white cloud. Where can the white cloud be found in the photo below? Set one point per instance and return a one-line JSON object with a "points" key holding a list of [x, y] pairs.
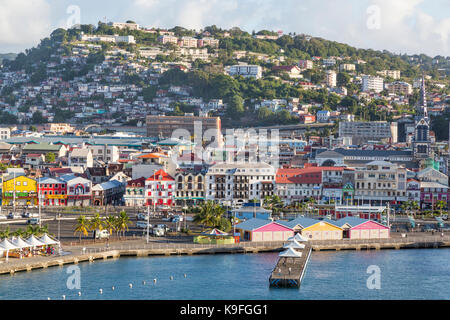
{"points": [[23, 23]]}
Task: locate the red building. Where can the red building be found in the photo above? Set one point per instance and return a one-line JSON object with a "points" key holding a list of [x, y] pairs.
{"points": [[52, 191]]}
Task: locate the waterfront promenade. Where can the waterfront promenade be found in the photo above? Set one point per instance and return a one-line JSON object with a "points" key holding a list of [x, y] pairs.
{"points": [[138, 247]]}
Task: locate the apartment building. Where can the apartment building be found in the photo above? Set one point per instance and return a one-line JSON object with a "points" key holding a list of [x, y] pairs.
{"points": [[361, 131], [124, 25], [380, 182], [371, 83], [59, 128], [107, 38], [305, 64], [238, 182], [81, 158], [164, 126], [246, 71], [190, 186], [5, 133], [347, 67], [394, 74], [214, 43], [188, 42], [168, 39], [330, 78], [105, 153], [400, 88]]}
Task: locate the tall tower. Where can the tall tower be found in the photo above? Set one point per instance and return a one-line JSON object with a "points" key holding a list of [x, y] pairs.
{"points": [[422, 142]]}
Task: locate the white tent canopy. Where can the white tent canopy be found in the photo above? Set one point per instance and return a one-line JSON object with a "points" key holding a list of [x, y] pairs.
{"points": [[47, 240], [290, 253], [20, 243], [294, 245], [7, 245], [298, 237], [34, 242]]}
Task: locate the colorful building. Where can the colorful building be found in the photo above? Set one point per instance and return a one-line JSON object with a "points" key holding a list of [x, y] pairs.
{"points": [[314, 229], [53, 191], [24, 188], [357, 228], [263, 230], [159, 189]]}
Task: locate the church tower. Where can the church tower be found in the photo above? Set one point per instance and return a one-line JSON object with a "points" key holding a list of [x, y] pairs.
{"points": [[422, 142]]}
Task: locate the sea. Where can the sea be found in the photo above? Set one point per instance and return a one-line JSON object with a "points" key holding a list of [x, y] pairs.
{"points": [[369, 275]]}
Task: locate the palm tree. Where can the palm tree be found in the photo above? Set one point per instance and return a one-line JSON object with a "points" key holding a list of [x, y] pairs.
{"points": [[415, 206], [96, 223], [273, 203], [82, 226], [440, 205], [405, 207], [110, 223], [122, 222], [206, 215], [20, 233], [5, 233]]}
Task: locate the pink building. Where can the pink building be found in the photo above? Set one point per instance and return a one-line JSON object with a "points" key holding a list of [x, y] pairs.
{"points": [[357, 228], [263, 230]]}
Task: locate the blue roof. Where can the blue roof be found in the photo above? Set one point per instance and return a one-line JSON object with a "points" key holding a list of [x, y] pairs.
{"points": [[255, 223], [304, 222], [352, 221]]}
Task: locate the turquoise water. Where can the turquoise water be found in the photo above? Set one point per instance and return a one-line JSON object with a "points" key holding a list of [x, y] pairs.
{"points": [[404, 274]]}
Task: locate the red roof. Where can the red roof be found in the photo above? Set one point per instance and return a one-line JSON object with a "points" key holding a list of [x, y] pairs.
{"points": [[33, 155], [160, 175], [303, 175]]}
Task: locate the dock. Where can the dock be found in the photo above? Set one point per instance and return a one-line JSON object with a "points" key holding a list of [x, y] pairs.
{"points": [[289, 271]]}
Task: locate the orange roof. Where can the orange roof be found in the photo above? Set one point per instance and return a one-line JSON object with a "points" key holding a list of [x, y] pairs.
{"points": [[160, 175], [153, 155]]}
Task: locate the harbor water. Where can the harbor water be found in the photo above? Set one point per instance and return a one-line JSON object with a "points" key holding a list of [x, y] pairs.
{"points": [[382, 274]]}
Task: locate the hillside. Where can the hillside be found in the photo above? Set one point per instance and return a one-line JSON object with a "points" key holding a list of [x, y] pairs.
{"points": [[108, 71]]}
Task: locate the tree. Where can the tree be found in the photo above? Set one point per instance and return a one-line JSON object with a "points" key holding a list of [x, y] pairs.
{"points": [[50, 157], [212, 215], [38, 118], [96, 223], [342, 79], [122, 222], [110, 224], [235, 107], [82, 226], [273, 203]]}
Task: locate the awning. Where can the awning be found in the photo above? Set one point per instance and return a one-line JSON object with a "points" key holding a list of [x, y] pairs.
{"points": [[290, 253], [20, 243], [47, 240]]}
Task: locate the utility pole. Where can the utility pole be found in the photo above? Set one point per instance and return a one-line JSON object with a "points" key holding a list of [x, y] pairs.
{"points": [[148, 222], [39, 200], [14, 194]]}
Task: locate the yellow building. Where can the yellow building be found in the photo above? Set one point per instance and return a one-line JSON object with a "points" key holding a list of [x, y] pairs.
{"points": [[25, 189], [314, 229]]}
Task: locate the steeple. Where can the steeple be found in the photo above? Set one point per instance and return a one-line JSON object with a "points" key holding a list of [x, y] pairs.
{"points": [[423, 99]]}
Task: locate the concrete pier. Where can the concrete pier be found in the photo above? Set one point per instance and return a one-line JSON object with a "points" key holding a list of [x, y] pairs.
{"points": [[289, 272]]}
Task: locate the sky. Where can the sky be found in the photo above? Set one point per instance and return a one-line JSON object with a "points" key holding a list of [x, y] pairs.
{"points": [[400, 26]]}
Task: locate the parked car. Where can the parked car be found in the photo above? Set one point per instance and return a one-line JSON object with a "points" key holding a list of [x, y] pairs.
{"points": [[163, 226], [25, 214], [101, 234], [158, 232], [445, 217], [3, 217], [143, 224], [12, 215], [33, 221], [142, 216]]}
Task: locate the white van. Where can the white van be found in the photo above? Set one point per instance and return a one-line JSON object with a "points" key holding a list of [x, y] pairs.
{"points": [[143, 224], [158, 232], [33, 221], [101, 234]]}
